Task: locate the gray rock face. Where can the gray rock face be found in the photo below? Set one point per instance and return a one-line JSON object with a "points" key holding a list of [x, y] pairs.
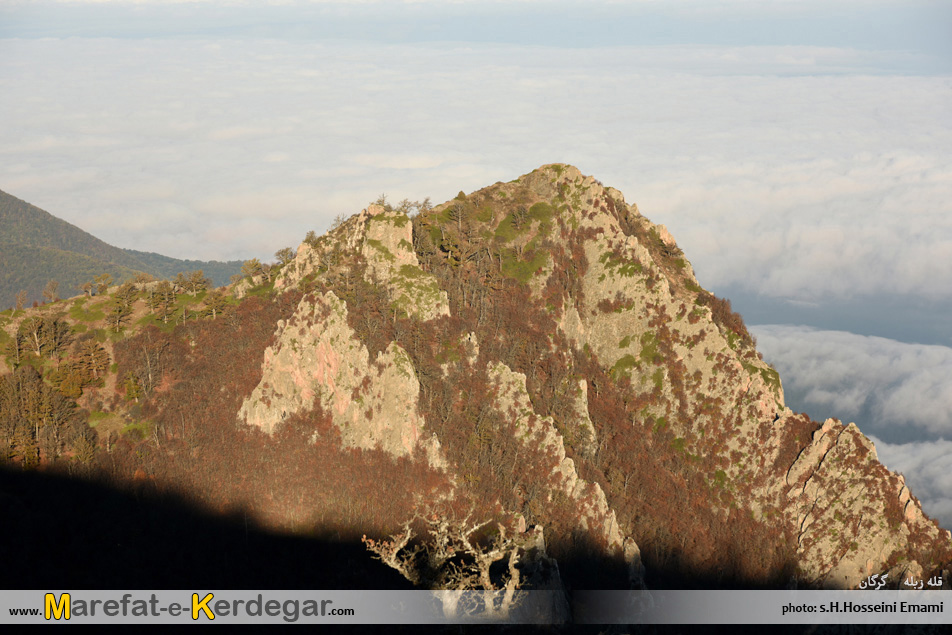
{"points": [[852, 513], [638, 289], [594, 513], [385, 239], [317, 357], [641, 311]]}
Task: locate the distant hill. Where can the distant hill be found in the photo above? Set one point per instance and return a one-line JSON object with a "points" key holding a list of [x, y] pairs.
{"points": [[36, 246], [165, 267], [30, 268]]}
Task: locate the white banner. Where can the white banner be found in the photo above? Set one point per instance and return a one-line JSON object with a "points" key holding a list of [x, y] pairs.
{"points": [[468, 607]]}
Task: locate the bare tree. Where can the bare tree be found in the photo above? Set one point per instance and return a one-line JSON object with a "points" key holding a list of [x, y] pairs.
{"points": [[197, 282], [102, 283], [16, 348], [21, 299], [161, 300], [382, 202], [143, 277], [338, 221], [49, 291], [31, 330], [251, 268], [284, 255], [215, 303], [456, 555]]}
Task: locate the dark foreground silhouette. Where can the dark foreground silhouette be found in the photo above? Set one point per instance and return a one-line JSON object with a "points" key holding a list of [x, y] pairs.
{"points": [[66, 533]]}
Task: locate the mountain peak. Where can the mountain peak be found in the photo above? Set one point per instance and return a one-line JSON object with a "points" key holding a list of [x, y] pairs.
{"points": [[536, 355], [616, 288]]}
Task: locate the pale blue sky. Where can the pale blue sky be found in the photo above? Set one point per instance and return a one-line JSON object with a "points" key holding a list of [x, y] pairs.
{"points": [[919, 26]]}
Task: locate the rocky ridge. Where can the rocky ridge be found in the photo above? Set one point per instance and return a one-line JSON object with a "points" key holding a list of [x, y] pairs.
{"points": [[630, 300]]}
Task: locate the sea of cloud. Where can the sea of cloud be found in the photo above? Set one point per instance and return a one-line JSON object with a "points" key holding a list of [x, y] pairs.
{"points": [[899, 394], [894, 389], [793, 171]]}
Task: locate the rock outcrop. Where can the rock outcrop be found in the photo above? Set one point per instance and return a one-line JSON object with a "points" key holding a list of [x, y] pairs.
{"points": [[594, 513], [385, 240], [853, 516], [640, 309], [536, 355], [620, 290], [317, 357]]}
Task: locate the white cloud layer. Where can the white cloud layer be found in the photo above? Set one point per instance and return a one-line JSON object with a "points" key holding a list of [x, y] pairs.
{"points": [[790, 170], [895, 390]]}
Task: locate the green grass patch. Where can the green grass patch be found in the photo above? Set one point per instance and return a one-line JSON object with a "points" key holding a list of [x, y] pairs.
{"points": [[399, 220], [185, 299], [443, 217], [657, 378], [771, 378], [769, 375], [150, 319], [411, 272], [507, 232], [542, 212], [523, 270], [96, 416], [732, 339], [137, 430], [262, 291], [621, 266], [649, 349], [81, 313], [379, 246], [720, 478], [623, 367]]}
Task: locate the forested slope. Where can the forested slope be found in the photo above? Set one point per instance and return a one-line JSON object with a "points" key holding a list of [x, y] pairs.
{"points": [[36, 247]]}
